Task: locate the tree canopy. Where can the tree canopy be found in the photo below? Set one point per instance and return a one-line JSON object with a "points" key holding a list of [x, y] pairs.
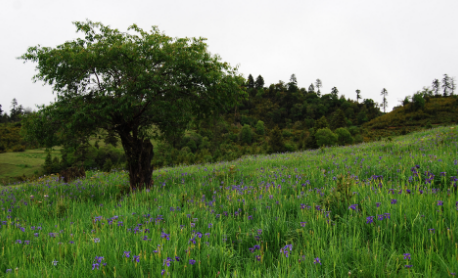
{"points": [[125, 83]]}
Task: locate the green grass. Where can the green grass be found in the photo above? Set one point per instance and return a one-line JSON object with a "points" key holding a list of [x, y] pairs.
{"points": [[260, 200]]}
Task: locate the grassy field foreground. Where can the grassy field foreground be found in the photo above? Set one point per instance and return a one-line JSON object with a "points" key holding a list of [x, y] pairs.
{"points": [[370, 210]]}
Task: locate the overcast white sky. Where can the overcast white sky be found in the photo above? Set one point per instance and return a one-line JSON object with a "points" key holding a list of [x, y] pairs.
{"points": [[400, 45]]}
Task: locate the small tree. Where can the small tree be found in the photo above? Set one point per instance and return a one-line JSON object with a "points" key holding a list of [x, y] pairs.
{"points": [[260, 129], [259, 83], [276, 141], [250, 82], [107, 165], [418, 101], [325, 137], [446, 84], [321, 123], [246, 135], [48, 167], [343, 136], [436, 86], [358, 95], [384, 93]]}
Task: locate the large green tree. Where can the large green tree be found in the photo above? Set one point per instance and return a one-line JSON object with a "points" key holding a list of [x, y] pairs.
{"points": [[126, 83]]}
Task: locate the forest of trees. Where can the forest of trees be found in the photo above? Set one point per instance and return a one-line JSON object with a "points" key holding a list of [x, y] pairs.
{"points": [[276, 118]]}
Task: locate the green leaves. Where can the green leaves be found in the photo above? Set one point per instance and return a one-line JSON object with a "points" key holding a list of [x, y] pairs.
{"points": [[129, 81]]}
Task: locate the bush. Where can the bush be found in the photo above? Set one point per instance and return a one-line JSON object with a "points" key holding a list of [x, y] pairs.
{"points": [[276, 143], [354, 130], [343, 136], [107, 165], [2, 148], [290, 147], [428, 125], [260, 129], [246, 135], [358, 139], [192, 145], [18, 148], [325, 137], [287, 133]]}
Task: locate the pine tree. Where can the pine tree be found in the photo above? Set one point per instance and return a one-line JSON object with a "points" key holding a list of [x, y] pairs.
{"points": [[384, 93], [259, 84], [446, 84], [292, 85], [318, 84], [250, 82], [48, 167], [334, 92], [311, 88], [358, 95], [436, 86]]}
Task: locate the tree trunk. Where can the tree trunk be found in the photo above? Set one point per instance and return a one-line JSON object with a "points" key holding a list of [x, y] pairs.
{"points": [[139, 153]]}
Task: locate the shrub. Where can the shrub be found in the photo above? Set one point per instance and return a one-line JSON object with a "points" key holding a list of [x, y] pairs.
{"points": [[2, 148], [18, 148], [325, 137], [192, 145], [321, 123], [359, 139], [107, 165], [290, 147], [276, 142], [343, 136], [354, 130], [428, 125], [246, 135], [287, 133], [260, 129]]}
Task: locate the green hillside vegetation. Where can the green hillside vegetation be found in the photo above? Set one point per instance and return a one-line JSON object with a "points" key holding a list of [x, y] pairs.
{"points": [[428, 111], [225, 141]]}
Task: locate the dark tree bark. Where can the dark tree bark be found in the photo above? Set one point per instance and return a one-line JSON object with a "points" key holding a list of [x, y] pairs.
{"points": [[139, 154]]}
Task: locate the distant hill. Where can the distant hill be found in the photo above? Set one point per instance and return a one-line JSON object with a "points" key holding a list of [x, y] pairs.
{"points": [[437, 110]]}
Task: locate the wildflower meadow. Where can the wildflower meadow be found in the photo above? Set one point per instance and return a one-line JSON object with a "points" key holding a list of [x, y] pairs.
{"points": [[381, 209]]}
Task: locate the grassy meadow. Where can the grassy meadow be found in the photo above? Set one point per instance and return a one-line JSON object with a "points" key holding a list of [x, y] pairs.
{"points": [[381, 209]]}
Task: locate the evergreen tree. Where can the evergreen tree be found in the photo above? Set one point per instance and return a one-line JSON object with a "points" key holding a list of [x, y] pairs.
{"points": [[259, 84], [250, 82], [321, 123], [48, 167], [311, 88], [318, 84], [292, 85], [446, 84], [436, 86], [358, 95], [384, 93], [276, 141], [1, 114], [334, 92]]}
